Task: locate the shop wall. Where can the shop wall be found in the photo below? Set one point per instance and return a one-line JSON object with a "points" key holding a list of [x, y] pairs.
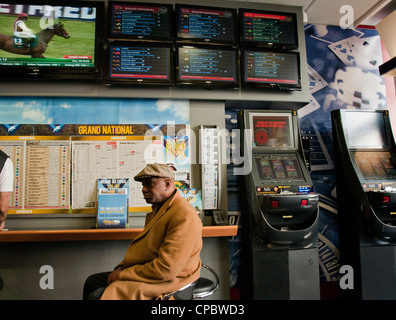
{"points": [[343, 73]]}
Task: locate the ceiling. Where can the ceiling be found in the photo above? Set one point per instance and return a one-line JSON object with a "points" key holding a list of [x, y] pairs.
{"points": [[366, 12]]}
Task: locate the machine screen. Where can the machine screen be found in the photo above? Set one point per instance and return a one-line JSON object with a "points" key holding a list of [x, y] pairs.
{"points": [[278, 166], [274, 131], [365, 130], [376, 165]]}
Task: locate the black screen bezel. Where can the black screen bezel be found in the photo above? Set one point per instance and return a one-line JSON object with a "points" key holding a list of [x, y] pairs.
{"points": [[139, 81], [270, 85], [126, 37], [266, 44], [202, 40]]}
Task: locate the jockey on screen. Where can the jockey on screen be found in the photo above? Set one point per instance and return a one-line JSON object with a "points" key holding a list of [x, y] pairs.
{"points": [[20, 28]]}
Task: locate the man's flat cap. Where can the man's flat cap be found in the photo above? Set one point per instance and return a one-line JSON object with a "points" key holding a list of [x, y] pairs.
{"points": [[159, 170]]}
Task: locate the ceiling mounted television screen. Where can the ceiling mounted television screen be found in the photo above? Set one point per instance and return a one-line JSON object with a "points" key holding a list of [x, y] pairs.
{"points": [[208, 67], [51, 39], [139, 65], [139, 21], [268, 69], [277, 30], [201, 24]]}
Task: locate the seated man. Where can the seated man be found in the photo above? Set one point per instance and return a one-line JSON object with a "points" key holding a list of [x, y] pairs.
{"points": [[165, 256]]}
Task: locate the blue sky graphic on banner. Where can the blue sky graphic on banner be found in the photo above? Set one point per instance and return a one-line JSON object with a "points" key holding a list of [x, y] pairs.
{"points": [[43, 110]]}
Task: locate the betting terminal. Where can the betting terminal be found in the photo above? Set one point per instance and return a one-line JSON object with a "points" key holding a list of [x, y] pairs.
{"points": [[364, 150], [280, 224]]}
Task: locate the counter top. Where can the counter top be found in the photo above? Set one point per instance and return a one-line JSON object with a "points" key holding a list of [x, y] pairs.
{"points": [[98, 234]]}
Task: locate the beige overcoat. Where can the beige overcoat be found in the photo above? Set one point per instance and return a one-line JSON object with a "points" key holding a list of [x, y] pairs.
{"points": [[164, 257]]}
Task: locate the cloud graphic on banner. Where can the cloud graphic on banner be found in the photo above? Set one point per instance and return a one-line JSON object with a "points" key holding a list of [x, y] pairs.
{"points": [[33, 111], [359, 89], [178, 109], [65, 105]]}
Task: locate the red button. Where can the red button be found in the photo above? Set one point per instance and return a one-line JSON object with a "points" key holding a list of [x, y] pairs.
{"points": [[274, 204], [385, 199], [304, 203]]}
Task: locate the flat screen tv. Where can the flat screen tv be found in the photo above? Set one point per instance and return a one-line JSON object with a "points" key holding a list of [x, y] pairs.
{"points": [[51, 39], [270, 69], [207, 66], [139, 64], [277, 30], [139, 21], [200, 24]]}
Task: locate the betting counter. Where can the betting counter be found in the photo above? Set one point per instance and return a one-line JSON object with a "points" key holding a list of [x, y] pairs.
{"points": [[98, 234]]}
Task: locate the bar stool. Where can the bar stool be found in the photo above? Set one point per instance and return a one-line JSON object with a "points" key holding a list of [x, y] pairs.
{"points": [[201, 288], [204, 286]]}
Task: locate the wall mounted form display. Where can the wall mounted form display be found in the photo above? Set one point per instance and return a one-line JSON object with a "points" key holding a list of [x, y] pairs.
{"points": [[57, 166]]}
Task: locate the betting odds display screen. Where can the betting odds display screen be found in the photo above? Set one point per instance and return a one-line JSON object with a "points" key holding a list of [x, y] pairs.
{"points": [[206, 24], [272, 131], [139, 63], [261, 68], [268, 28], [204, 64], [140, 21], [207, 46]]}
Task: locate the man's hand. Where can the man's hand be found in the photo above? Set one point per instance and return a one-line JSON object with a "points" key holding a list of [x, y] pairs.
{"points": [[2, 224], [115, 275]]}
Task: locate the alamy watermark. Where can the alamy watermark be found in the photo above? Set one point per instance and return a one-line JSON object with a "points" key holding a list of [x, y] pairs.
{"points": [[47, 280], [347, 20]]}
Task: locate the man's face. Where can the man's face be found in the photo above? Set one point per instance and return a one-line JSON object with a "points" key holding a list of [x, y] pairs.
{"points": [[153, 190]]}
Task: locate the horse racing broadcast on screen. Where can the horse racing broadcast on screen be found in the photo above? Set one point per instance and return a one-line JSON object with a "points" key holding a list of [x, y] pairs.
{"points": [[47, 35]]}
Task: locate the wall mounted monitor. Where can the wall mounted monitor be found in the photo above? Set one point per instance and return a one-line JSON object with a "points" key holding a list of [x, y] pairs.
{"points": [[271, 29], [208, 67], [139, 21], [201, 24], [139, 64], [268, 69], [51, 39]]}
